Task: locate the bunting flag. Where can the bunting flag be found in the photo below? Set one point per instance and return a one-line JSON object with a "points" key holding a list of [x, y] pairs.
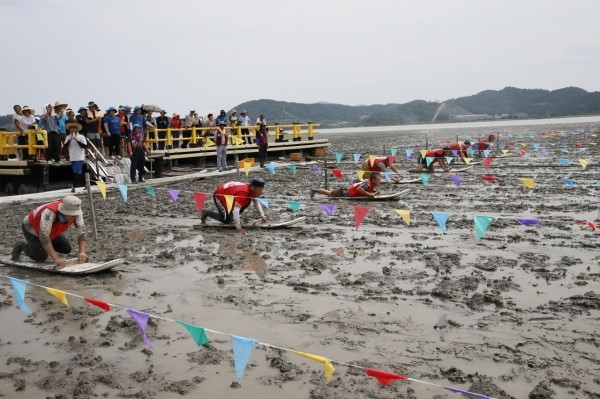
{"points": [[468, 160], [329, 369], [391, 159], [141, 320], [544, 151], [102, 187], [394, 151], [404, 214], [441, 218], [456, 180], [449, 160], [209, 142], [583, 149], [61, 295], [242, 349], [174, 195], [481, 225], [486, 153], [293, 168], [455, 153], [20, 286], [197, 333], [372, 159], [563, 162], [271, 168], [523, 145], [295, 205], [359, 214], [328, 208], [536, 146], [387, 175], [529, 183], [504, 152], [199, 198], [463, 392], [316, 169], [264, 201], [529, 222], [356, 158], [425, 178], [236, 140], [337, 173], [247, 168], [490, 179], [409, 152], [123, 189], [584, 162], [487, 162], [592, 225], [98, 303], [429, 160], [338, 157], [566, 151], [423, 153], [522, 153], [229, 202], [568, 182], [360, 174], [471, 153], [150, 190], [384, 377]]}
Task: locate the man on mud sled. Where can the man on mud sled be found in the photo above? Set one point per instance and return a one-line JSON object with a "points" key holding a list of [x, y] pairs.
{"points": [[43, 229], [365, 188]]}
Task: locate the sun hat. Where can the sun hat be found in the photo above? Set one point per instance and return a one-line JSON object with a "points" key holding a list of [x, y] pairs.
{"points": [[112, 109], [59, 104], [92, 104], [70, 206], [257, 183], [136, 108], [136, 125], [233, 111], [82, 109], [73, 123], [244, 112], [26, 108]]}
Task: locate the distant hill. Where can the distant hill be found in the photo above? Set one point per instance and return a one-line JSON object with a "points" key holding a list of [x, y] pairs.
{"points": [[508, 103]]}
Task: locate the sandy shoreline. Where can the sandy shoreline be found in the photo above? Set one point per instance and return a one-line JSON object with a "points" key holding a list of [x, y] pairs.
{"points": [[515, 313]]}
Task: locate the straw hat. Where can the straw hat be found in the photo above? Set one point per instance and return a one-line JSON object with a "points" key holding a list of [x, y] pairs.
{"points": [[26, 108], [58, 104], [73, 122], [70, 206]]}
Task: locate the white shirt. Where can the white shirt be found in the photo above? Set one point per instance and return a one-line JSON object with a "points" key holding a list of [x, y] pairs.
{"points": [[244, 120], [76, 152]]}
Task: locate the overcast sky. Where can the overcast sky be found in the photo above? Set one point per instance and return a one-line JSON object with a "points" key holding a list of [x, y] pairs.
{"points": [[208, 55]]}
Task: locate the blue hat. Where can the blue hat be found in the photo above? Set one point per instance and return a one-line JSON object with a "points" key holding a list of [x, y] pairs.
{"points": [[112, 109], [127, 107], [136, 108], [136, 125], [82, 109]]}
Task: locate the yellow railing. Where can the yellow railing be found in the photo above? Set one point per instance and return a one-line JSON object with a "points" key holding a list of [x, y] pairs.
{"points": [[8, 146], [199, 134]]}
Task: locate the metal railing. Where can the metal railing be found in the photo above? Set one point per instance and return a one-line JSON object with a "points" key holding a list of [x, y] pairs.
{"points": [[8, 146]]}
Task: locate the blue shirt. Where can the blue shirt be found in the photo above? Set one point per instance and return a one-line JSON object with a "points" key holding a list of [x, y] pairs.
{"points": [[113, 124], [139, 119], [61, 123]]}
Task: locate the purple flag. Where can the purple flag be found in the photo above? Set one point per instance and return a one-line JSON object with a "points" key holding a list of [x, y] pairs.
{"points": [[174, 195], [315, 169], [456, 180], [529, 222], [328, 208], [141, 319], [455, 153], [462, 391]]}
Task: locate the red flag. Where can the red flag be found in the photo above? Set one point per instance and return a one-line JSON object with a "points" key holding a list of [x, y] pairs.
{"points": [[592, 225], [487, 162], [579, 144], [100, 304], [359, 214], [337, 173], [522, 153], [391, 159], [385, 377], [199, 198], [490, 179]]}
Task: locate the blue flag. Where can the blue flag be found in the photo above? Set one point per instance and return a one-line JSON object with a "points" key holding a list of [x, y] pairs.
{"points": [[271, 167], [394, 151], [123, 189], [264, 201], [481, 225], [338, 157], [440, 218], [356, 158], [20, 286], [242, 349]]}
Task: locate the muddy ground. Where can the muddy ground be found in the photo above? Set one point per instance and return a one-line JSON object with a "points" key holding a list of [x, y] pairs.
{"points": [[515, 314]]}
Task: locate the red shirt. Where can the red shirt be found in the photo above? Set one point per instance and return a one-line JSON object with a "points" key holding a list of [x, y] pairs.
{"points": [[366, 185], [460, 148], [240, 191], [35, 218], [373, 164]]}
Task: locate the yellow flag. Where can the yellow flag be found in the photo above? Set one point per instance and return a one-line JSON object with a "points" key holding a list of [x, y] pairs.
{"points": [[229, 202], [59, 294], [372, 159], [246, 168], [102, 186], [592, 143], [209, 142], [505, 152], [236, 140], [529, 183], [423, 153], [584, 162], [461, 142], [360, 174], [329, 369], [523, 145], [468, 160], [405, 215]]}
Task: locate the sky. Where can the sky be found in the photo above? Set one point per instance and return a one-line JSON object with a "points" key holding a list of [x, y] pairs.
{"points": [[210, 55]]}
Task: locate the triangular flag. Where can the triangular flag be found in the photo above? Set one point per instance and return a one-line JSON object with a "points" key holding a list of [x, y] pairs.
{"points": [[463, 392], [242, 349], [329, 369], [20, 286], [566, 151], [209, 142], [247, 168], [293, 168], [536, 146], [456, 180], [338, 157], [102, 187], [316, 169], [141, 320], [372, 159], [544, 151], [522, 153], [359, 214], [468, 160], [404, 214], [584, 162], [229, 202], [360, 174], [394, 151], [490, 179], [356, 158], [98, 303], [529, 183], [425, 178], [409, 152], [449, 160], [486, 153], [423, 153], [384, 377], [529, 222], [151, 191], [174, 195], [487, 162], [504, 152], [523, 145], [337, 173], [123, 189], [563, 162], [568, 182], [200, 198], [429, 160], [295, 205], [264, 201], [197, 333], [455, 153], [271, 167], [387, 175], [61, 295], [441, 218], [592, 225], [481, 225], [236, 140], [583, 149], [328, 208]]}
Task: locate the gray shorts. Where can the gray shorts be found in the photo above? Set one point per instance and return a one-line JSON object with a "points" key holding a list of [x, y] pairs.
{"points": [[339, 192]]}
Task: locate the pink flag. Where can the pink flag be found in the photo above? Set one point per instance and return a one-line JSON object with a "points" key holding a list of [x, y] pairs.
{"points": [[522, 153], [384, 377], [141, 319], [487, 162], [359, 214], [200, 198], [592, 225], [337, 173]]}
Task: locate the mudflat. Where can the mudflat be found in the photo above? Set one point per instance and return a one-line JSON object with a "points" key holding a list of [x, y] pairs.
{"points": [[514, 314]]}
